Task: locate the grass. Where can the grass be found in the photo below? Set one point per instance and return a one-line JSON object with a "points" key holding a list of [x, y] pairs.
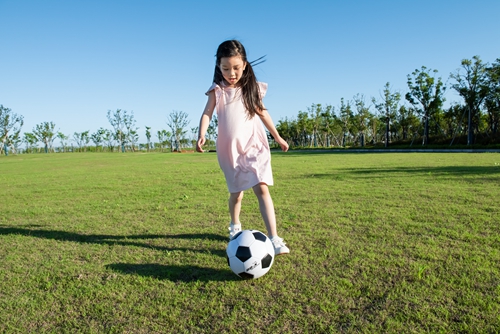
{"points": [[135, 243]]}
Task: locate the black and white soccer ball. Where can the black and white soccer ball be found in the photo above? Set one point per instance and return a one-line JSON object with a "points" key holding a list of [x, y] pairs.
{"points": [[250, 254]]}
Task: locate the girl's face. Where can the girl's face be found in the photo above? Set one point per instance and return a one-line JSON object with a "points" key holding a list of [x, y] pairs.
{"points": [[232, 69]]}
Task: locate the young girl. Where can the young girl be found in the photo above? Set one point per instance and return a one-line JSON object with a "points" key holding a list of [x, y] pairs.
{"points": [[242, 147]]}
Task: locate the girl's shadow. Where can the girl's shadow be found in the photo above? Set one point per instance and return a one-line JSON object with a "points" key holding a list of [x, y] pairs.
{"points": [[139, 240], [176, 273]]}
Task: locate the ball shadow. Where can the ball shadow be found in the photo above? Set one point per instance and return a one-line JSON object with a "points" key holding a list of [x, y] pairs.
{"points": [[174, 273]]}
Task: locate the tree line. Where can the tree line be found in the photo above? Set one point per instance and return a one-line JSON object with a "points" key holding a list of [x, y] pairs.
{"points": [[418, 118], [123, 135], [422, 119]]}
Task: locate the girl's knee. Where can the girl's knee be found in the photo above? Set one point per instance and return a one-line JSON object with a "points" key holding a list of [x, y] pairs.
{"points": [[236, 197], [261, 189]]}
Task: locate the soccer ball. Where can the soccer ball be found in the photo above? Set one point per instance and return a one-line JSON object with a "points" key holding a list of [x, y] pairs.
{"points": [[250, 254]]}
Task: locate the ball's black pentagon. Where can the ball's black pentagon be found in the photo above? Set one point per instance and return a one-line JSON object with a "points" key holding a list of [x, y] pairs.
{"points": [[266, 261], [243, 253], [259, 236], [228, 263], [236, 235], [245, 275]]}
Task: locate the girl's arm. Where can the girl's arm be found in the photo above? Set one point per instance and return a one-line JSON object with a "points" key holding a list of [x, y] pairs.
{"points": [[268, 123], [205, 121]]}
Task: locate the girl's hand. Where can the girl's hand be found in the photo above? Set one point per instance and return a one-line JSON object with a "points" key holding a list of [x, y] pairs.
{"points": [[200, 143], [283, 144]]}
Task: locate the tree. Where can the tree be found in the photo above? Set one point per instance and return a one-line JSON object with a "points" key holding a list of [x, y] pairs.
{"points": [[131, 131], [14, 141], [30, 139], [97, 137], [387, 108], [327, 123], [426, 95], [133, 138], [194, 138], [163, 138], [314, 127], [148, 137], [361, 117], [492, 100], [82, 140], [284, 129], [345, 118], [123, 123], [160, 134], [63, 138], [177, 121], [304, 128], [407, 120], [10, 127], [473, 86], [315, 111], [109, 138], [44, 132], [373, 125], [212, 130]]}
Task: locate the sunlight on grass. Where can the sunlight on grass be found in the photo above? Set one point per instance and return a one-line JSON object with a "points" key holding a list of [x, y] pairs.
{"points": [[136, 243]]}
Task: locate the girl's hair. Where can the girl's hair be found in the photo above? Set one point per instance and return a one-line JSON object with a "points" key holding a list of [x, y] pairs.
{"points": [[248, 82]]}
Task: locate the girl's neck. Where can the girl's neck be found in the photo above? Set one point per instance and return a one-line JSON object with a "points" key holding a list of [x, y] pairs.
{"points": [[227, 85]]}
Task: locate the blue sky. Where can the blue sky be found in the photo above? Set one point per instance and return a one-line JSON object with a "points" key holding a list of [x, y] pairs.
{"points": [[69, 62]]}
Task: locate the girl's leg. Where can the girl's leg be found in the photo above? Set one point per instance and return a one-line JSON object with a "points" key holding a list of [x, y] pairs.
{"points": [[235, 206], [266, 207], [267, 211]]}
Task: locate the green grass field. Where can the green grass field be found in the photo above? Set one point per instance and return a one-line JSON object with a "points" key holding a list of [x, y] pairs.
{"points": [[135, 243]]}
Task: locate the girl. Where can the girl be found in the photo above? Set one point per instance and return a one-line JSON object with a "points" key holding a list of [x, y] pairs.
{"points": [[242, 147]]}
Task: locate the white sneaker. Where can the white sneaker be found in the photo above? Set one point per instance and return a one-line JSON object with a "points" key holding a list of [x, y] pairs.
{"points": [[233, 230], [279, 246]]}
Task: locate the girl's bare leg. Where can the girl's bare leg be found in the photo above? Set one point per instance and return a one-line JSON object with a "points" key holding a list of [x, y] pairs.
{"points": [[235, 206], [266, 207]]}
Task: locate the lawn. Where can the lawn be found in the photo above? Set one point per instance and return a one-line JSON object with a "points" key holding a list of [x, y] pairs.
{"points": [[135, 243]]}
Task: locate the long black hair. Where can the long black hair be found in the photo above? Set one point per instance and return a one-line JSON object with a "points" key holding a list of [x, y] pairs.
{"points": [[248, 82]]}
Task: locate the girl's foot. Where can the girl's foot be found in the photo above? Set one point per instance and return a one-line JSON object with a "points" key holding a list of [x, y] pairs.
{"points": [[279, 246], [233, 230]]}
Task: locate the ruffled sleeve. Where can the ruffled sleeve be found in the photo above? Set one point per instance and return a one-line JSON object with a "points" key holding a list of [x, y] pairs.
{"points": [[214, 87], [262, 89], [218, 92]]}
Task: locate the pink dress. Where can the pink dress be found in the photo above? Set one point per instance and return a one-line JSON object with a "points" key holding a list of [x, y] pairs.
{"points": [[242, 146]]}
